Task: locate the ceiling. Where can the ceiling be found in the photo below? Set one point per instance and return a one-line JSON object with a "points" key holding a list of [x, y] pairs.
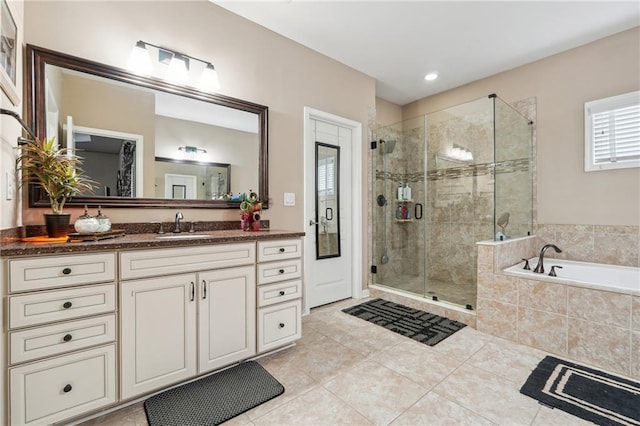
{"points": [[398, 42]]}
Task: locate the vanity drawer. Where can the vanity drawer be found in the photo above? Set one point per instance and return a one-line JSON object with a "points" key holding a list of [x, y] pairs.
{"points": [[60, 305], [60, 271], [279, 325], [34, 343], [160, 262], [56, 389], [279, 271], [279, 249], [280, 292]]}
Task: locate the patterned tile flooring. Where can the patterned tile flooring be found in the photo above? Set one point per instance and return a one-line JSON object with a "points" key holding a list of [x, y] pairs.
{"points": [[349, 371]]}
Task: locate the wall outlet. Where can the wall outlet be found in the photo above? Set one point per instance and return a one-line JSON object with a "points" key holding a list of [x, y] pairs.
{"points": [[289, 199], [9, 190]]}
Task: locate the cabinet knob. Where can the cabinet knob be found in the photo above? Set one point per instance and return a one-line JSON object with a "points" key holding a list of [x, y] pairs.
{"points": [[281, 250], [67, 388], [66, 271], [281, 271], [67, 337], [67, 305], [281, 292], [281, 325]]}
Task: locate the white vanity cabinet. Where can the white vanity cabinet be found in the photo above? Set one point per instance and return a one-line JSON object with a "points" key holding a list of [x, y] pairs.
{"points": [[279, 295], [61, 335], [177, 325]]}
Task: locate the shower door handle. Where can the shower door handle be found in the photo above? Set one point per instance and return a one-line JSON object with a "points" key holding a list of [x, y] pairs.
{"points": [[312, 222], [417, 213]]}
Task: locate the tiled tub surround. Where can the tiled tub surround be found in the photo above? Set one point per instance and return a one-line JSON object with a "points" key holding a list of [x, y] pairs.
{"points": [[588, 325], [608, 244]]}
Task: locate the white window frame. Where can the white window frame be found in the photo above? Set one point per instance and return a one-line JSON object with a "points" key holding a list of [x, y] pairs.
{"points": [[598, 106]]}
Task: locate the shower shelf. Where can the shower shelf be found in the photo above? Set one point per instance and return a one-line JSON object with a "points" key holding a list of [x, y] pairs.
{"points": [[403, 220], [404, 201]]}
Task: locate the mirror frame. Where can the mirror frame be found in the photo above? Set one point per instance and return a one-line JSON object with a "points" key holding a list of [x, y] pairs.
{"points": [[38, 57]]}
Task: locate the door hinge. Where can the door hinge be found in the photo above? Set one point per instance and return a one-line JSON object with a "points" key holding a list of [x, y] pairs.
{"points": [[374, 144], [374, 269]]}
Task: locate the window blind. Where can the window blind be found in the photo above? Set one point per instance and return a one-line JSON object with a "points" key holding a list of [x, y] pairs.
{"points": [[612, 132], [616, 135]]}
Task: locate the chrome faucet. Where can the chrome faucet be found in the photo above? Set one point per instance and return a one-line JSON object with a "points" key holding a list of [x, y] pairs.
{"points": [[176, 227], [540, 267]]}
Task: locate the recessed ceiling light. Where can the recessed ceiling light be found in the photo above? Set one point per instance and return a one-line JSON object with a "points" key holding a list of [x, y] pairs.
{"points": [[431, 76]]}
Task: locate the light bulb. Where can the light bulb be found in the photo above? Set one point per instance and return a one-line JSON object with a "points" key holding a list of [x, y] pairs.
{"points": [[140, 61], [431, 76], [178, 71], [209, 79]]}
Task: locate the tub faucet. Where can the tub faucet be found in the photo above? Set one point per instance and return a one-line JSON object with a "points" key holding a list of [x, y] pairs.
{"points": [[540, 267], [176, 227]]}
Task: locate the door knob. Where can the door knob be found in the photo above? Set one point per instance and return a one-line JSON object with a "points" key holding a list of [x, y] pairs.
{"points": [[312, 222]]}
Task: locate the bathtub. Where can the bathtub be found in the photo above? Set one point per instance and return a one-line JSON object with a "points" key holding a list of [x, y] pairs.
{"points": [[619, 279]]}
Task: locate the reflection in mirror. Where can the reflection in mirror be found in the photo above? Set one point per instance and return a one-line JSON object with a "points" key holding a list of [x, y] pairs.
{"points": [[166, 117], [114, 158], [201, 181], [327, 201]]}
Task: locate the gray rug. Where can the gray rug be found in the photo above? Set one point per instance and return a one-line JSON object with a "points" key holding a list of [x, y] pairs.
{"points": [[419, 325], [213, 399], [593, 395]]}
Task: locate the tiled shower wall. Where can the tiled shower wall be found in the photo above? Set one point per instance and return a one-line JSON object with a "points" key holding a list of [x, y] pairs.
{"points": [[459, 206]]}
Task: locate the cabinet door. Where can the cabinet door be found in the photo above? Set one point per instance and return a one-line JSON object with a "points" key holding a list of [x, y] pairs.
{"points": [[227, 331], [158, 332]]}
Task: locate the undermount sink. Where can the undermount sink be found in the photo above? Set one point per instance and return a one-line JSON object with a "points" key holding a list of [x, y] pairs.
{"points": [[181, 236]]}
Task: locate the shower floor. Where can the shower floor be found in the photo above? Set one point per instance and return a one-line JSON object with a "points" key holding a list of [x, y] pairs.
{"points": [[458, 293]]}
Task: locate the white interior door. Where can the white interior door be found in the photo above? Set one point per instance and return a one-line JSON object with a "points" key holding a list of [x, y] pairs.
{"points": [[328, 275], [180, 186]]}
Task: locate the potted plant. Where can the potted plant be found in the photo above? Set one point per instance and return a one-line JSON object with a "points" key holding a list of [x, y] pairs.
{"points": [[57, 171]]}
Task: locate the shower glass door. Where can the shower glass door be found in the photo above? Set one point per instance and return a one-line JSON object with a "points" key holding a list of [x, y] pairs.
{"points": [[469, 170], [398, 213]]}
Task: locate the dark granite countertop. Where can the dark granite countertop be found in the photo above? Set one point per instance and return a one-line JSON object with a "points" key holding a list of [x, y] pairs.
{"points": [[140, 241]]}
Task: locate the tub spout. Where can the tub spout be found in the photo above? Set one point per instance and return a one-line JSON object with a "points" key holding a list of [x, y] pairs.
{"points": [[540, 267]]}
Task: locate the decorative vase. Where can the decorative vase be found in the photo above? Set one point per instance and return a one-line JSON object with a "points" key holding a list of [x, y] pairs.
{"points": [[57, 224]]}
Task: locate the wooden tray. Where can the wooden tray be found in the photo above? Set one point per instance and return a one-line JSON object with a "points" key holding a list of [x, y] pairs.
{"points": [[114, 233]]}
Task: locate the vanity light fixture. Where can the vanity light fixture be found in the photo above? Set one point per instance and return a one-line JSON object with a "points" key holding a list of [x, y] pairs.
{"points": [[191, 149], [179, 66], [431, 76]]}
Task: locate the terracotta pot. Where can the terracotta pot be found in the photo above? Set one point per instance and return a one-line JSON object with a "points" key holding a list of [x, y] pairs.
{"points": [[57, 224]]}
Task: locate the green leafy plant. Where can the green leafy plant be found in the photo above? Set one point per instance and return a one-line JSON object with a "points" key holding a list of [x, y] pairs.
{"points": [[56, 170]]}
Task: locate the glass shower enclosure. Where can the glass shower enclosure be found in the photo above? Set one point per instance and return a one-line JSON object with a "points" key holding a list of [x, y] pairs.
{"points": [[442, 182]]}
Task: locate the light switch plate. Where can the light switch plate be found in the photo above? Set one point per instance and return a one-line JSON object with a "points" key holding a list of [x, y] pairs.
{"points": [[289, 199], [9, 193]]}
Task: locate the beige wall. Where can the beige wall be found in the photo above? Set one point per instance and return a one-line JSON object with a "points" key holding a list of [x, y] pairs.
{"points": [[562, 84], [253, 63], [387, 113]]}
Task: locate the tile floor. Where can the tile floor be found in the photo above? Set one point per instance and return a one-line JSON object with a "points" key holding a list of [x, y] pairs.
{"points": [[348, 371]]}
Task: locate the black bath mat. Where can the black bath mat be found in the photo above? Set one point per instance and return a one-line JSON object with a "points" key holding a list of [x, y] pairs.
{"points": [[593, 395], [213, 399], [418, 325]]}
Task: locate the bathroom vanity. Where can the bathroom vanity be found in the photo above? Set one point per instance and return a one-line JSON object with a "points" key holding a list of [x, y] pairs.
{"points": [[92, 325]]}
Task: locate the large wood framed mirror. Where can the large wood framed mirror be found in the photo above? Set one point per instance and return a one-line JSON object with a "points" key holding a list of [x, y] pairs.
{"points": [[112, 116]]}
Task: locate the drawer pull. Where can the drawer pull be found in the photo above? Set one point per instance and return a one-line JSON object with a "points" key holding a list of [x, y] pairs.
{"points": [[67, 337], [281, 325], [66, 271], [281, 271], [67, 388], [67, 305], [281, 292], [193, 291], [204, 289], [281, 250]]}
